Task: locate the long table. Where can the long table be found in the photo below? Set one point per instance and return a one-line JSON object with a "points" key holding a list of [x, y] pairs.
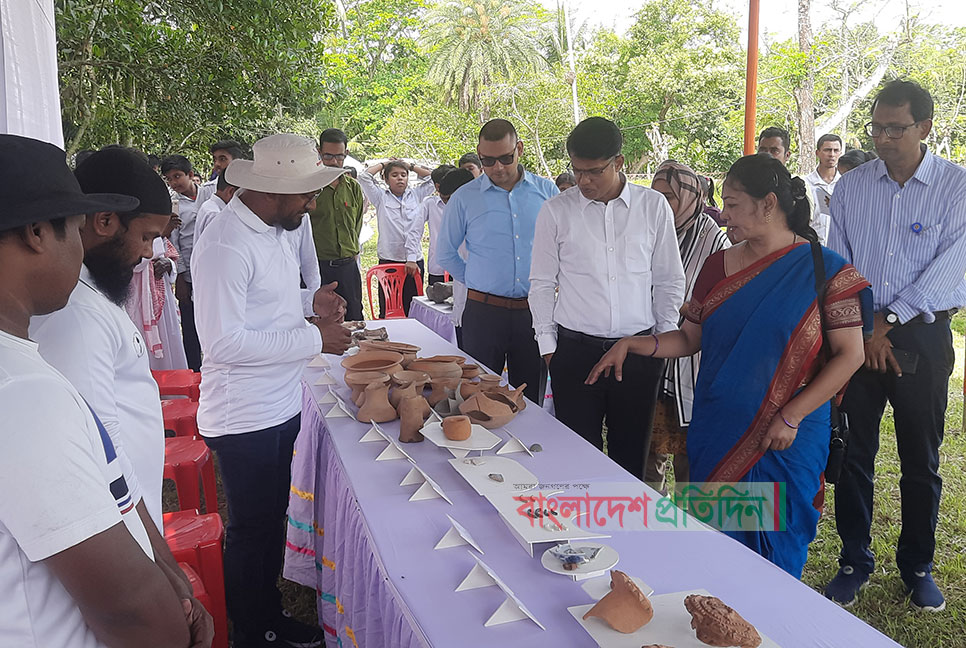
{"points": [[436, 317], [355, 537]]}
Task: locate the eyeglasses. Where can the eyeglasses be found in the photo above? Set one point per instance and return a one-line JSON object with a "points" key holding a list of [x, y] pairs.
{"points": [[310, 196], [593, 173], [329, 157], [894, 132], [505, 160]]}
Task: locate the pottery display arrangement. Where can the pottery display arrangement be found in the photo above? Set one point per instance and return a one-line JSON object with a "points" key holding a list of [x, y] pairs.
{"points": [[716, 624], [408, 351], [444, 374], [625, 608], [493, 408]]}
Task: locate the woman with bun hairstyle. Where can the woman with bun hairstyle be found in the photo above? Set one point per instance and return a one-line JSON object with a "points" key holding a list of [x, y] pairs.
{"points": [[761, 401]]}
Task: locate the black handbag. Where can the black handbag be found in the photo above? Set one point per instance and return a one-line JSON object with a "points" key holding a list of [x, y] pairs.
{"points": [[838, 446]]}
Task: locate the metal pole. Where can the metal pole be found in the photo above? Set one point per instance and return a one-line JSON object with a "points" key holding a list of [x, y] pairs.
{"points": [[573, 66], [751, 78]]}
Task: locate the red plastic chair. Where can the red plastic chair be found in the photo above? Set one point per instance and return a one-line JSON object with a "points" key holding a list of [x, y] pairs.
{"points": [[391, 277], [197, 541], [220, 617], [185, 461], [178, 382], [181, 417], [446, 276]]}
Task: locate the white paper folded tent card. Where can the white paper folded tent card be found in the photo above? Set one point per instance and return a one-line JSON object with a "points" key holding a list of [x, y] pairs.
{"points": [[319, 362], [456, 536], [512, 609], [325, 379]]}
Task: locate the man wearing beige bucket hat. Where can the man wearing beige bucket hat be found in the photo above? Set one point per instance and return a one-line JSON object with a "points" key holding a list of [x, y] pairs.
{"points": [[251, 318]]}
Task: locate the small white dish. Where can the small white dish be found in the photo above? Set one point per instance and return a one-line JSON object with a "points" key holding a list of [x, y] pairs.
{"points": [[480, 438]]}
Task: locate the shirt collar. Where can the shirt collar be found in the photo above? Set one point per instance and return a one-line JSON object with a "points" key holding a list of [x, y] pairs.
{"points": [[925, 172], [624, 195], [816, 178], [526, 178], [247, 216]]}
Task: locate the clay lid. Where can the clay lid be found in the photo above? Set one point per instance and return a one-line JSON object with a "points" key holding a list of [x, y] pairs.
{"points": [[410, 376], [372, 361], [365, 377], [437, 370], [386, 345], [444, 358]]}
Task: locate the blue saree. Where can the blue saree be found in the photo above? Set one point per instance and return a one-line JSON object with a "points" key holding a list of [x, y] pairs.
{"points": [[761, 337]]}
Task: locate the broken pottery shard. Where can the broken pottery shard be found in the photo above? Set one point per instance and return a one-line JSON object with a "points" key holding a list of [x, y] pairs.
{"points": [[497, 477], [716, 624], [625, 608]]}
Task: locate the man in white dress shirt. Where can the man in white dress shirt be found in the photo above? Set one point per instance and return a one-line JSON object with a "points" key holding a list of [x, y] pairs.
{"points": [[213, 206], [256, 342], [821, 182], [608, 250]]}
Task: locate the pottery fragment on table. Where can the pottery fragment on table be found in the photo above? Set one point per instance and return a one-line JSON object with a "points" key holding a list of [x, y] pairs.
{"points": [[716, 624], [489, 410], [625, 608]]}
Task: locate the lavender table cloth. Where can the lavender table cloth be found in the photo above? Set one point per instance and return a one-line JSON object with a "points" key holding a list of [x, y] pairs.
{"points": [[436, 317], [368, 551]]}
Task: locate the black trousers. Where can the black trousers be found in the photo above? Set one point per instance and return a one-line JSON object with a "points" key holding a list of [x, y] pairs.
{"points": [[189, 334], [919, 405], [409, 289], [256, 471], [499, 336], [435, 279], [627, 406], [350, 285]]}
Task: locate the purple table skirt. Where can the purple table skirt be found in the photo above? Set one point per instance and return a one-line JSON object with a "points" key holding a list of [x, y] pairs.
{"points": [[437, 318], [380, 583]]}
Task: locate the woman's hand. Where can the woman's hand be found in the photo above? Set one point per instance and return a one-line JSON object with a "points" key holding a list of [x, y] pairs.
{"points": [[613, 359], [779, 435]]}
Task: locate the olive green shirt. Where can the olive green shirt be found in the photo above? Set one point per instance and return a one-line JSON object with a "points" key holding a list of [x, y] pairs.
{"points": [[337, 220]]}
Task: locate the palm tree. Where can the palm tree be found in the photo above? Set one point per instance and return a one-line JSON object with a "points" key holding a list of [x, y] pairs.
{"points": [[474, 43]]}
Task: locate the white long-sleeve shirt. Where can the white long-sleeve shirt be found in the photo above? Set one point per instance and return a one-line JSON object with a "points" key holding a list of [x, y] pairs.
{"points": [[250, 314], [615, 269], [396, 217]]}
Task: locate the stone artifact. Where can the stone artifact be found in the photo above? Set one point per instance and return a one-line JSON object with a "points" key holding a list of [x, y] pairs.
{"points": [[407, 384], [359, 336], [411, 419], [386, 361], [489, 410], [716, 624], [457, 428], [497, 477], [440, 291], [357, 325], [624, 608], [357, 381], [536, 447], [376, 407]]}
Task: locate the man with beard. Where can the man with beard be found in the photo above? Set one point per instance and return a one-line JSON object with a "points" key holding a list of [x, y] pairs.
{"points": [[256, 343], [94, 344]]}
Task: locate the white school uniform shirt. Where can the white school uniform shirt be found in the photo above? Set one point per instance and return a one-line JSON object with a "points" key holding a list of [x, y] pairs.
{"points": [[250, 314], [60, 484], [396, 217], [615, 269], [821, 192], [184, 237], [94, 343], [208, 210], [431, 212]]}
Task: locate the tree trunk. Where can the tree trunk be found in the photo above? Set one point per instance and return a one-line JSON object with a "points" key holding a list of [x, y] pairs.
{"points": [[804, 93]]}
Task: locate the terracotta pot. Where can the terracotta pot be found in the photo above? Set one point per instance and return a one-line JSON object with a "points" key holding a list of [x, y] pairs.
{"points": [[437, 370], [408, 351], [407, 384], [411, 419], [385, 361], [514, 397], [443, 388], [489, 381], [444, 358], [457, 428], [358, 380], [490, 411], [625, 608], [376, 406], [468, 388], [471, 370]]}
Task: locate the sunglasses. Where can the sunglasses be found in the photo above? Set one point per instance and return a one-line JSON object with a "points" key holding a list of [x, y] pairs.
{"points": [[505, 160]]}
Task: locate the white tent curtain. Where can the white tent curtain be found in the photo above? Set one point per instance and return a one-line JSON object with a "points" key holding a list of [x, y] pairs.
{"points": [[29, 96]]}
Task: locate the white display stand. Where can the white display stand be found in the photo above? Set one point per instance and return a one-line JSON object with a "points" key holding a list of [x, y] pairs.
{"points": [[540, 532], [512, 609], [456, 536], [319, 361], [513, 445]]}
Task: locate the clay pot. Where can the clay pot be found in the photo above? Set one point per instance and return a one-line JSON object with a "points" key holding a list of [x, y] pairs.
{"points": [[512, 396], [716, 624], [443, 388], [625, 608], [407, 384], [385, 361], [357, 381], [411, 419], [468, 388], [437, 370], [471, 370], [376, 406], [408, 351], [457, 428], [489, 381], [444, 358], [489, 410]]}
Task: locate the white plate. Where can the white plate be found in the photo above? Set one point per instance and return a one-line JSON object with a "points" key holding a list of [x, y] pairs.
{"points": [[606, 558], [516, 478], [480, 438], [670, 626]]}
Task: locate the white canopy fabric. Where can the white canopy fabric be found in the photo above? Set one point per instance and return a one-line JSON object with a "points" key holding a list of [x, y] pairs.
{"points": [[29, 95]]}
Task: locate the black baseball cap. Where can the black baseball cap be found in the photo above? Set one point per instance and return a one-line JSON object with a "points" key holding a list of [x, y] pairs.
{"points": [[123, 171], [37, 185]]}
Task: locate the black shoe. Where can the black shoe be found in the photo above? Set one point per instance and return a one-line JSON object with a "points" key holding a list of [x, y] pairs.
{"points": [[285, 633]]}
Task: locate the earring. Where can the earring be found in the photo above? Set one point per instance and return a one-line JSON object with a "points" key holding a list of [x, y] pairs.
{"points": [[768, 216]]}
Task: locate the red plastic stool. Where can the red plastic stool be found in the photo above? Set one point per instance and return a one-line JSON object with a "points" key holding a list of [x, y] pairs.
{"points": [[178, 382], [197, 541], [185, 461], [180, 416]]}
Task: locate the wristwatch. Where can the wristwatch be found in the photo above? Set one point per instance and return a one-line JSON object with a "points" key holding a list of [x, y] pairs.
{"points": [[891, 318]]}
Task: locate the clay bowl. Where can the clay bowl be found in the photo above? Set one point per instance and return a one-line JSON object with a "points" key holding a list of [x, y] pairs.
{"points": [[357, 381], [407, 376], [408, 351], [437, 370], [444, 358], [386, 361], [471, 370]]}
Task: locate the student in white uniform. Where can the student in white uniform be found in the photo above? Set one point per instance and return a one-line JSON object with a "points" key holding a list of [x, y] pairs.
{"points": [[821, 182], [256, 342], [213, 206], [431, 213], [92, 340], [79, 568]]}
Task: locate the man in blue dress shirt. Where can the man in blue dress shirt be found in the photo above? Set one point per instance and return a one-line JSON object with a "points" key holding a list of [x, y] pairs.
{"points": [[901, 220], [495, 216]]}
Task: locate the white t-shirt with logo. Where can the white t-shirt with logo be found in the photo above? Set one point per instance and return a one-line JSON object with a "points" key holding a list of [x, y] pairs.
{"points": [[60, 484], [94, 343]]}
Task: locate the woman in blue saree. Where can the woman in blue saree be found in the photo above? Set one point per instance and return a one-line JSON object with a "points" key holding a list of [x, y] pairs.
{"points": [[761, 410]]}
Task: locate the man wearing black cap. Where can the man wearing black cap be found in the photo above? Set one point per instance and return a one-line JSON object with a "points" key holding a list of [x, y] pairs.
{"points": [[77, 565]]}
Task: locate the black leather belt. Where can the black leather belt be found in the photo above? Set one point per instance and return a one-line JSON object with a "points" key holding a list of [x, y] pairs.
{"points": [[593, 340], [334, 263], [941, 316]]}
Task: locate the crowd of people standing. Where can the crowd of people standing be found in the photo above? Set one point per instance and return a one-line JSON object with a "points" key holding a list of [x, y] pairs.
{"points": [[735, 345]]}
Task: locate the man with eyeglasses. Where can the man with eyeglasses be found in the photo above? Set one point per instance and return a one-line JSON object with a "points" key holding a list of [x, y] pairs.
{"points": [[605, 265], [901, 220], [337, 223], [256, 342], [495, 215]]}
